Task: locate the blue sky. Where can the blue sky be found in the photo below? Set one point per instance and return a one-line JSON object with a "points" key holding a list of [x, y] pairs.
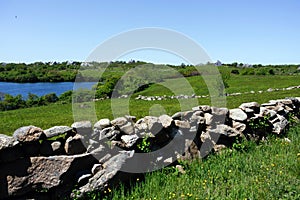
{"points": [[255, 31]]}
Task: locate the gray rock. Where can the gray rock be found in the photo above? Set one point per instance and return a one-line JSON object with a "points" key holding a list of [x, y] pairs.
{"points": [[182, 124], [103, 177], [129, 140], [9, 149], [127, 128], [250, 106], [102, 123], [205, 108], [100, 152], [74, 145], [220, 116], [153, 124], [36, 173], [29, 134], [119, 121], [131, 118], [280, 126], [83, 127], [237, 115], [177, 116], [223, 134], [57, 130], [241, 127], [165, 120], [110, 133], [7, 142], [283, 101], [208, 118], [219, 111]]}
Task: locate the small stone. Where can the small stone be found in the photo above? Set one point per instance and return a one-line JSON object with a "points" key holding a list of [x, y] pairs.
{"points": [[56, 146], [180, 169]]}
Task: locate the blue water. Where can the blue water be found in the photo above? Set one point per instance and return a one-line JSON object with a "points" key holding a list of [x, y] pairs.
{"points": [[41, 88]]}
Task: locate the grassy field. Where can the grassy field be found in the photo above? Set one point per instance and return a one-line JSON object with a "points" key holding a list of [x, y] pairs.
{"points": [[270, 170], [237, 83], [61, 114]]}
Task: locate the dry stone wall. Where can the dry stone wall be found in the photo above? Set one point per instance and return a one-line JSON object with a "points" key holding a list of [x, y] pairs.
{"points": [[63, 161]]}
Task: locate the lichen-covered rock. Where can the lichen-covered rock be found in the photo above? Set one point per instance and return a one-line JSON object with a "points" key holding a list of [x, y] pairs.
{"points": [[57, 131], [29, 134], [41, 173]]}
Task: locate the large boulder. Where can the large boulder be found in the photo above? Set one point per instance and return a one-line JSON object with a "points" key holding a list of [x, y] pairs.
{"points": [[32, 174], [29, 134], [107, 174]]}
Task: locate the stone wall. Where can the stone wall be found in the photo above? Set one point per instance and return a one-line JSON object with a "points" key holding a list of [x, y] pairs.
{"points": [[72, 161]]}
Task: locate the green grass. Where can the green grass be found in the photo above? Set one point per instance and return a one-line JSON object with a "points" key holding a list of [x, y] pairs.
{"points": [[270, 170], [61, 114], [237, 83]]}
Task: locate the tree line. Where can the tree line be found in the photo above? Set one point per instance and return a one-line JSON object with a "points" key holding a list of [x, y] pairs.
{"points": [[9, 102]]}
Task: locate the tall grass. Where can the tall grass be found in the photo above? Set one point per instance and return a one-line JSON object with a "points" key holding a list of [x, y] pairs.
{"points": [[270, 170]]}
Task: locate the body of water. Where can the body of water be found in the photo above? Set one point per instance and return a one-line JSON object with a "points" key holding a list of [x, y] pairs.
{"points": [[41, 88]]}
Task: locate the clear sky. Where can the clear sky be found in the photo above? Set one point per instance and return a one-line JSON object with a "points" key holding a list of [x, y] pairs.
{"points": [[248, 31]]}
